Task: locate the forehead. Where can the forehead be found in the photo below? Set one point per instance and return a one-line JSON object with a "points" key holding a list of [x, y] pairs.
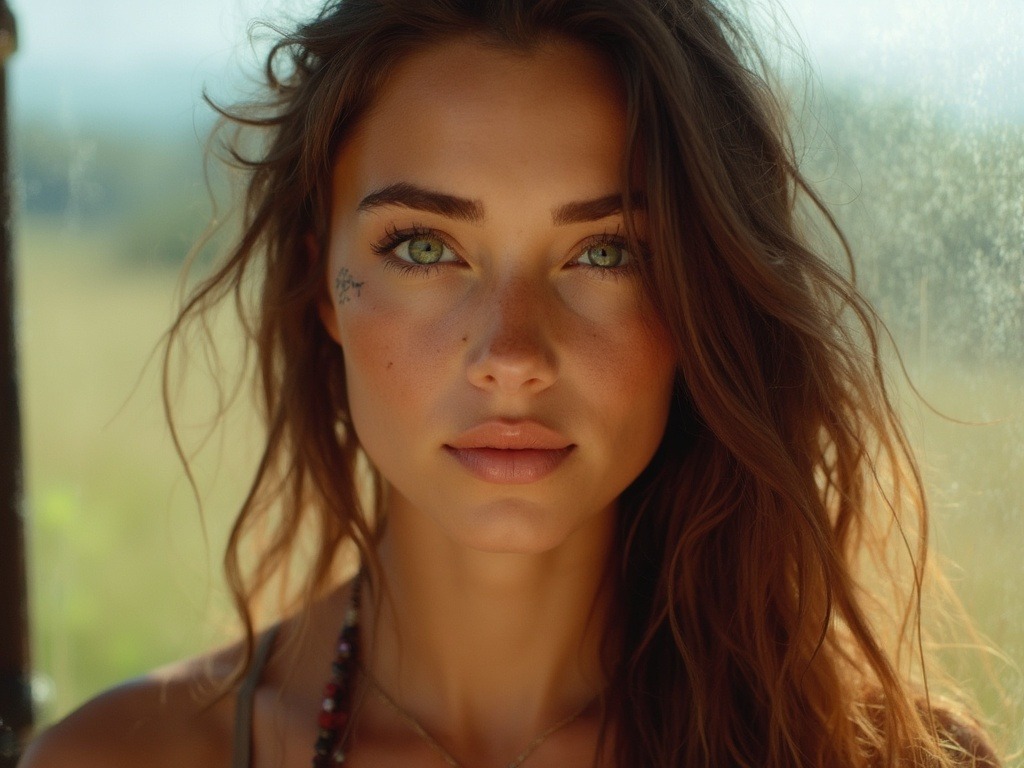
{"points": [[467, 68], [485, 118]]}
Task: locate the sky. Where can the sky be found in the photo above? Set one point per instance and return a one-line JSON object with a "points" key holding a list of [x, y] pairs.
{"points": [[145, 62]]}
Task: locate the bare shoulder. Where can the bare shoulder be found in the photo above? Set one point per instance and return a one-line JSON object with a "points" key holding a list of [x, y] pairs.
{"points": [[173, 716], [170, 717], [966, 741]]}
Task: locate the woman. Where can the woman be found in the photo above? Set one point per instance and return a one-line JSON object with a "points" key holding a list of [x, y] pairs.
{"points": [[534, 271]]}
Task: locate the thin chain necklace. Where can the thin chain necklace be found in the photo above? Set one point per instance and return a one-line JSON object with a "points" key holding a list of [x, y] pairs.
{"points": [[447, 756], [335, 721]]}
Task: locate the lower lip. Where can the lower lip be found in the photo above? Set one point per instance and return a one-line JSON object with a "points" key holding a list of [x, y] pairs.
{"points": [[507, 466]]}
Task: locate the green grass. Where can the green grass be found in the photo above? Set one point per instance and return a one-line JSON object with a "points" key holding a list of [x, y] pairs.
{"points": [[122, 578], [974, 473]]}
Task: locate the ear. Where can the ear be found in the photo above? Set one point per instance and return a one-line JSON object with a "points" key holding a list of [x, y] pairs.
{"points": [[325, 301]]}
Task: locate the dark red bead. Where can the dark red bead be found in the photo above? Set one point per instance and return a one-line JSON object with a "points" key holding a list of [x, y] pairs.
{"points": [[332, 720]]}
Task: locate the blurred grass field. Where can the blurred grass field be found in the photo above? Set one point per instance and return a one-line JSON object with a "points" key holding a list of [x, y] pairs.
{"points": [[123, 577], [124, 571]]}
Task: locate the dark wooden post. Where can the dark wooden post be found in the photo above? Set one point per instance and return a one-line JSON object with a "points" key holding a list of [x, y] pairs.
{"points": [[15, 691]]}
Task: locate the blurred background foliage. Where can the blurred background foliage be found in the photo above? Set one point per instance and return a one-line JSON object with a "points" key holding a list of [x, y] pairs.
{"points": [[125, 571], [148, 194]]}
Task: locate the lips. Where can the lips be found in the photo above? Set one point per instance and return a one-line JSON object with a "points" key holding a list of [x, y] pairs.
{"points": [[510, 452]]}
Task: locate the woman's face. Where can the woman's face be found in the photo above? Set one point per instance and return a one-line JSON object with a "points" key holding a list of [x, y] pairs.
{"points": [[505, 373]]}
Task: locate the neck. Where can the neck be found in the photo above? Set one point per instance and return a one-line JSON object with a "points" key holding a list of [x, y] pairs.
{"points": [[501, 645]]}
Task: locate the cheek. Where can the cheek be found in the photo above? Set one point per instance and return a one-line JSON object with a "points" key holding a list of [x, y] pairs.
{"points": [[628, 353], [630, 380], [392, 361], [371, 345]]}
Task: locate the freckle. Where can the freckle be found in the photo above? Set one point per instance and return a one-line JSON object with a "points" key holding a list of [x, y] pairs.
{"points": [[390, 363]]}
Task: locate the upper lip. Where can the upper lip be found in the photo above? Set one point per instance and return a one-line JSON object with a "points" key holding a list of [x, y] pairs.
{"points": [[511, 434]]}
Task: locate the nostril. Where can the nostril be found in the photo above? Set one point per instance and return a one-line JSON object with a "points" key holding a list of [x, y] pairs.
{"points": [[512, 370], [512, 347]]}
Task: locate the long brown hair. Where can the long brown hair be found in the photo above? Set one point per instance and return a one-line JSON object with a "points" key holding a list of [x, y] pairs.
{"points": [[784, 479]]}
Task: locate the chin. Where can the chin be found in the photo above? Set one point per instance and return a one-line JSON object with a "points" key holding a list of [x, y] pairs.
{"points": [[517, 528]]}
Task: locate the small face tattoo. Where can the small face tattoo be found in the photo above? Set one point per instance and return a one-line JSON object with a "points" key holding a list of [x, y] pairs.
{"points": [[344, 284]]}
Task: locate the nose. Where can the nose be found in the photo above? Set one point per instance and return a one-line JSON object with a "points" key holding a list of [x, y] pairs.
{"points": [[512, 348]]}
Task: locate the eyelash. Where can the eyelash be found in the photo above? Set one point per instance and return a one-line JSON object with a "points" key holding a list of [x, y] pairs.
{"points": [[395, 237], [616, 239]]}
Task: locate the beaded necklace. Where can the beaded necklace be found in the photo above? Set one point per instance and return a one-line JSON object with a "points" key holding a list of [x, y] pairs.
{"points": [[336, 710]]}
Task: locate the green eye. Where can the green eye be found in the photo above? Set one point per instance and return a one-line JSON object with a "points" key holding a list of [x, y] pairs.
{"points": [[425, 250], [605, 255]]}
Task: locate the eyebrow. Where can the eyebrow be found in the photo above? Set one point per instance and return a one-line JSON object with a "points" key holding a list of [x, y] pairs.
{"points": [[453, 207], [411, 196], [592, 210]]}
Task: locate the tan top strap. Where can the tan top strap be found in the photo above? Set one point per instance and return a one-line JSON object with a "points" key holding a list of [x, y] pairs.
{"points": [[241, 752]]}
